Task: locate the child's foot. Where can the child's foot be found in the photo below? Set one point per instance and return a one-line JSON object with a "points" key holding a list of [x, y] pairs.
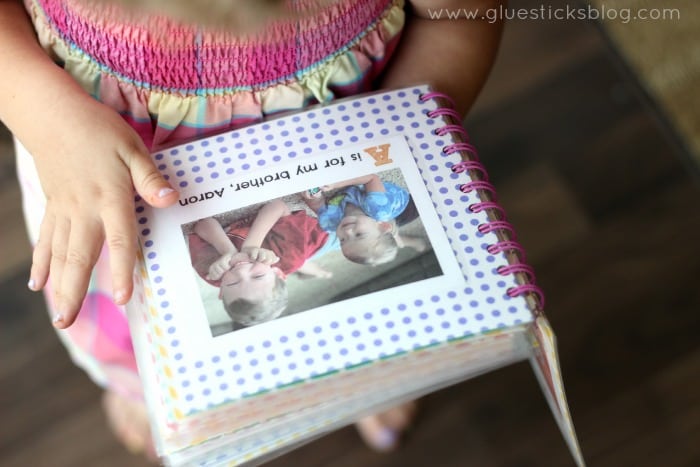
{"points": [[382, 432], [128, 419]]}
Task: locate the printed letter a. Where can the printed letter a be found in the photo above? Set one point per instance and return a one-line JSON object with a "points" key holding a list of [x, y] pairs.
{"points": [[380, 154]]}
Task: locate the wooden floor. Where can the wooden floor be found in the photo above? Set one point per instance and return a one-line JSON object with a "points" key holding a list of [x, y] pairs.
{"points": [[609, 215]]}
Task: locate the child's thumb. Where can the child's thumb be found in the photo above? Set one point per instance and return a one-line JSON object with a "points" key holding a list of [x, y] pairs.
{"points": [[148, 181]]}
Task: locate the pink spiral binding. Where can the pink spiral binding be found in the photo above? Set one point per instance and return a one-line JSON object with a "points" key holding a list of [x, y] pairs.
{"points": [[456, 147], [477, 185], [493, 226], [507, 245], [442, 131], [444, 111], [473, 164], [484, 205], [517, 267], [463, 166]]}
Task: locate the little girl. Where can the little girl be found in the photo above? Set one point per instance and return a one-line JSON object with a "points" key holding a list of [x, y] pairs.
{"points": [[89, 87]]}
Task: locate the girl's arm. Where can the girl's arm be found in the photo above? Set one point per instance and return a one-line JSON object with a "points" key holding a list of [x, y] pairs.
{"points": [[88, 160], [211, 232], [264, 220], [453, 55]]}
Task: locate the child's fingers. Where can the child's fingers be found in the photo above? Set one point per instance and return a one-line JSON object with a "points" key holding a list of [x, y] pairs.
{"points": [[261, 255], [148, 181], [218, 268], [270, 257], [59, 251], [254, 254], [41, 256], [230, 259], [83, 249], [266, 256], [213, 276], [215, 272], [120, 237]]}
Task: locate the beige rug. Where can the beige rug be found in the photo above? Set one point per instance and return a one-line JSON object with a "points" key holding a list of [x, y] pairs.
{"points": [[664, 54]]}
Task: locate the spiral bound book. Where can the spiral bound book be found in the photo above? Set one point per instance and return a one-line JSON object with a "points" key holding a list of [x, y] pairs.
{"points": [[365, 261]]}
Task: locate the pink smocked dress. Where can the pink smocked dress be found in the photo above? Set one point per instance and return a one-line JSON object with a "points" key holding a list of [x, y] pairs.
{"points": [[173, 82]]}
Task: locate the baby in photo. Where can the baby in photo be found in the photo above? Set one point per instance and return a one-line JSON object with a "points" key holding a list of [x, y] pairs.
{"points": [[363, 215]]}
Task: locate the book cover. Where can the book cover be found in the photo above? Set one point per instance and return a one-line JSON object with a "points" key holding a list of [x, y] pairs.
{"points": [[433, 290]]}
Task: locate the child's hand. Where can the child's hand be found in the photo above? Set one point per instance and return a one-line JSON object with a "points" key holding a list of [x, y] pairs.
{"points": [[312, 194], [260, 255], [223, 264], [89, 161], [218, 268], [314, 200]]}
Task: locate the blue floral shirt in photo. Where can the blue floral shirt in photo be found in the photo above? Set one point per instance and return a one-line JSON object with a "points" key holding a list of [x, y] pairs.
{"points": [[380, 206]]}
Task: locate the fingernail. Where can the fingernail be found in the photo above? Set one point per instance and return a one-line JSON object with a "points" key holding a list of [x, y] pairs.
{"points": [[31, 284], [57, 318], [165, 192], [119, 296]]}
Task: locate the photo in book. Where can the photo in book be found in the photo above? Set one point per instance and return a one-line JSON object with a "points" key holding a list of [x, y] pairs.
{"points": [[340, 278]]}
